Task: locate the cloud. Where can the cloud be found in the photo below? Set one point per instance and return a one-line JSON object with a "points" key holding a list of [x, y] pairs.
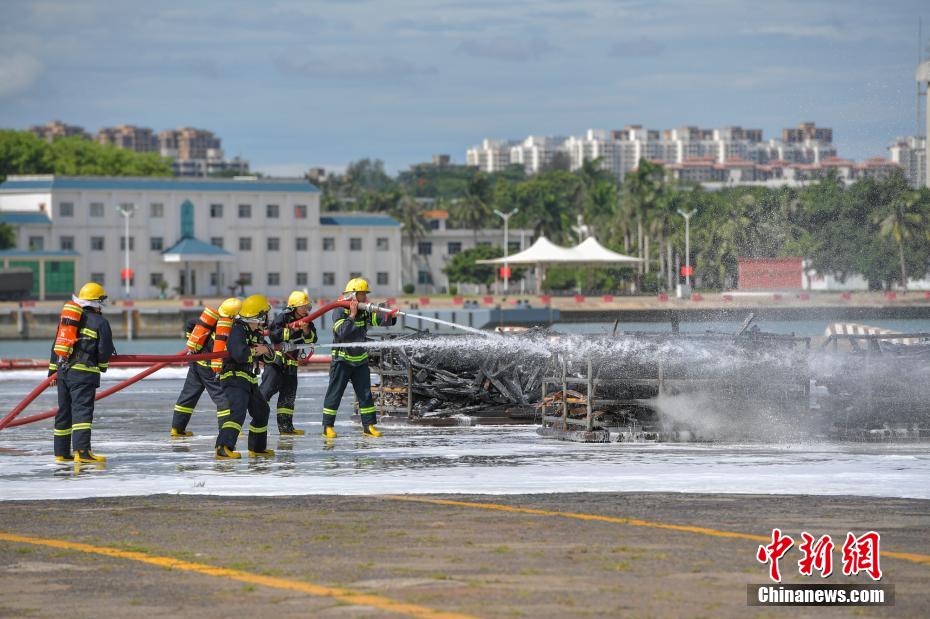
{"points": [[825, 30], [18, 72], [506, 48], [351, 66], [640, 47]]}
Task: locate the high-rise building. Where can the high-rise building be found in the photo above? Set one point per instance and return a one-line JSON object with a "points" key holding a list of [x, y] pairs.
{"points": [[490, 156], [129, 137], [911, 154], [56, 129], [536, 152], [807, 131], [188, 143]]}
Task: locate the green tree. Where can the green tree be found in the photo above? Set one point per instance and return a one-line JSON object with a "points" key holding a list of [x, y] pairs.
{"points": [[905, 220], [463, 268], [7, 236]]}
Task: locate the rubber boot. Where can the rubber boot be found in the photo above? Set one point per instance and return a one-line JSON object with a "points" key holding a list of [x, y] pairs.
{"points": [[371, 430], [286, 426], [176, 433], [261, 454], [328, 422], [225, 453], [329, 432], [86, 456], [63, 449]]}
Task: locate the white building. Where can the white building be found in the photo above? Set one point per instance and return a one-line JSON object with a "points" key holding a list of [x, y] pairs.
{"points": [[911, 154], [424, 262], [536, 152], [490, 156], [199, 236]]}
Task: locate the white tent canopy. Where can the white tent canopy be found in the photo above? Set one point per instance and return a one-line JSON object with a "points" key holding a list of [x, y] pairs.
{"points": [[544, 251]]}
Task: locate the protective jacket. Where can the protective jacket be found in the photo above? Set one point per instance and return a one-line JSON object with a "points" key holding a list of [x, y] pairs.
{"points": [[90, 354], [241, 363], [346, 330], [280, 333]]}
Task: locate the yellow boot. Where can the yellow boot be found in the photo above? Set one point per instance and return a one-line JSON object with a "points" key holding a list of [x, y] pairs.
{"points": [[225, 453], [329, 432], [371, 430], [291, 432], [87, 456], [64, 458], [178, 433], [268, 453]]}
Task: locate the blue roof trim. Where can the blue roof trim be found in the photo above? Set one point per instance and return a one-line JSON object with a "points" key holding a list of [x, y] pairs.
{"points": [[360, 220], [111, 183], [190, 245], [19, 218], [25, 253]]}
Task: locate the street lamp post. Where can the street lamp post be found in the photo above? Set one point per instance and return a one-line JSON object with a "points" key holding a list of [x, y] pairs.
{"points": [[506, 217], [687, 215], [127, 211]]}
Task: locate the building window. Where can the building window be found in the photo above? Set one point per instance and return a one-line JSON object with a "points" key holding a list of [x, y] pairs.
{"points": [[484, 243], [301, 243], [274, 243], [245, 279], [66, 243], [425, 248], [424, 277], [245, 243], [214, 279], [98, 278], [122, 243], [96, 209], [96, 244], [155, 279], [271, 211], [329, 279], [301, 279], [513, 247], [329, 243], [274, 279], [355, 244], [354, 274], [382, 278], [216, 241], [381, 243], [66, 209], [300, 211], [36, 243], [156, 210], [434, 224], [156, 243], [216, 211], [245, 211], [454, 247]]}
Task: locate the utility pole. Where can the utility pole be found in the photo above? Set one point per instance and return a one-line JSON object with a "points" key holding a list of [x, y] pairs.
{"points": [[127, 211], [687, 215], [506, 217]]}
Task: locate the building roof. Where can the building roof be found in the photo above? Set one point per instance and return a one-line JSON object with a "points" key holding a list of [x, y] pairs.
{"points": [[436, 214], [25, 184], [358, 220], [19, 218], [26, 253], [190, 249], [544, 251]]}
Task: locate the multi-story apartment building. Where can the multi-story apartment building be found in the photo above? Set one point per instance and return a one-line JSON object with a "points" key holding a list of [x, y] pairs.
{"points": [[188, 143], [193, 236], [490, 156], [129, 137], [714, 175], [537, 152], [57, 129], [911, 154], [806, 132]]}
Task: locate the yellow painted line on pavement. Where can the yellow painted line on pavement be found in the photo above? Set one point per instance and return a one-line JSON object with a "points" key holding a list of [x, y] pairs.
{"points": [[634, 522], [345, 595]]}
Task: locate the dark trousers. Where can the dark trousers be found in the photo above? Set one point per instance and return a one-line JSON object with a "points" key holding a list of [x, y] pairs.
{"points": [[198, 379], [283, 381], [75, 412], [244, 397], [341, 374]]}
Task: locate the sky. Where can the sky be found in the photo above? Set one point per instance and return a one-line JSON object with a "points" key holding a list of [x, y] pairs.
{"points": [[290, 84]]}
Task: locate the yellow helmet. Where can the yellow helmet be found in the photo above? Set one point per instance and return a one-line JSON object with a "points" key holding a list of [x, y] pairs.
{"points": [[92, 291], [298, 298], [357, 284], [254, 307], [230, 307]]}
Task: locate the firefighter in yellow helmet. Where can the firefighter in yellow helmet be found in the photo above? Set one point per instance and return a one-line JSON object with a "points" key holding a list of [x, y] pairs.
{"points": [[280, 376], [239, 377], [82, 350], [350, 364], [201, 333]]}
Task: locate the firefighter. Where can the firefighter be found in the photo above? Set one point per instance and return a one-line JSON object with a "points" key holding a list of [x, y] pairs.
{"points": [[280, 375], [350, 364], [239, 377], [201, 333], [82, 350]]}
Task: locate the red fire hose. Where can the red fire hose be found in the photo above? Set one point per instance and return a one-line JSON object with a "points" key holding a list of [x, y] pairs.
{"points": [[159, 361]]}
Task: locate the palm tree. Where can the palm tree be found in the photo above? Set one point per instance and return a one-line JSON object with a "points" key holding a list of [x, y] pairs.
{"points": [[413, 226], [903, 221], [473, 210]]}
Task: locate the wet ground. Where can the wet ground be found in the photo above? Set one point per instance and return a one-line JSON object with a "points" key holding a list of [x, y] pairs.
{"points": [[441, 557], [131, 428]]}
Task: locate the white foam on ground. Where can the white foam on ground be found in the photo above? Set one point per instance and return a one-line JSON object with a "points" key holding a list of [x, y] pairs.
{"points": [[131, 428]]}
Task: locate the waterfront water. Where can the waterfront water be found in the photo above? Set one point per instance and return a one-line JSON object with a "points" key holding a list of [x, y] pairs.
{"points": [[132, 429]]}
